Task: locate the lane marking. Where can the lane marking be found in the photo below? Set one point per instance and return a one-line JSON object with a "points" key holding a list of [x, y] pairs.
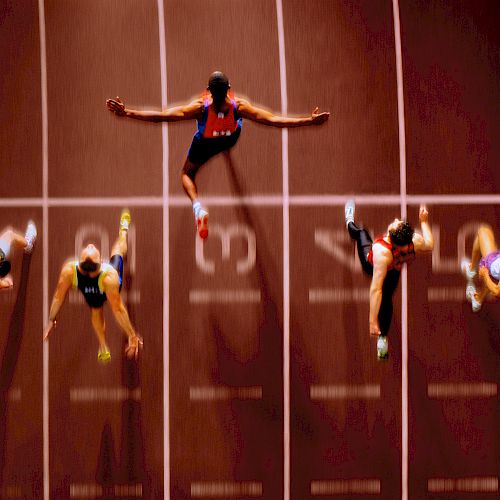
{"points": [[224, 393], [404, 272], [451, 390], [270, 200], [243, 296], [95, 490], [345, 391], [478, 484], [225, 489], [346, 487], [45, 245], [165, 201], [338, 295], [286, 256], [103, 394]]}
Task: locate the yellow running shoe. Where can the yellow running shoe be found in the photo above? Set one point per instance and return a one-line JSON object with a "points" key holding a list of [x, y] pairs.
{"points": [[125, 220], [104, 356]]}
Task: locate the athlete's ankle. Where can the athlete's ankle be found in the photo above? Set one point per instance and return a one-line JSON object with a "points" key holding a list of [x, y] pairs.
{"points": [[196, 208]]}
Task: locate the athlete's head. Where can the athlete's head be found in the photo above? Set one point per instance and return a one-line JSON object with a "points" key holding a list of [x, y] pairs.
{"points": [[4, 268], [218, 85], [401, 232], [90, 259]]}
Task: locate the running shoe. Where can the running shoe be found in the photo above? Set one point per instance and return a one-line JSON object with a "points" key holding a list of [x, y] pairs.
{"points": [[202, 223], [466, 270], [349, 211], [30, 236], [382, 347], [104, 356], [470, 295], [125, 220]]}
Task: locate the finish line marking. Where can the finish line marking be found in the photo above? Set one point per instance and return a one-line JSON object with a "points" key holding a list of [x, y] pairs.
{"points": [[313, 200]]}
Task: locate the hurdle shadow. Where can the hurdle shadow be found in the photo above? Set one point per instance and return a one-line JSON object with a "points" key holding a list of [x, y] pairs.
{"points": [[11, 353]]}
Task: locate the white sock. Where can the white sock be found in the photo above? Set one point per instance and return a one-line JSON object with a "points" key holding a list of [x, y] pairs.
{"points": [[196, 208]]}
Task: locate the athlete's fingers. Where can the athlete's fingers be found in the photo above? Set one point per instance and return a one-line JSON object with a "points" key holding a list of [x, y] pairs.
{"points": [[315, 111]]}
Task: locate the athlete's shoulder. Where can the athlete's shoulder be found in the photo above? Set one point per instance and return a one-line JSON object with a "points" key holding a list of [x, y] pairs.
{"points": [[69, 267], [109, 274], [381, 254]]}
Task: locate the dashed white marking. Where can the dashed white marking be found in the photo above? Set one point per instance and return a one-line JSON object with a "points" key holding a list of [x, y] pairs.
{"points": [[225, 489], [338, 295], [242, 296], [103, 394], [220, 393], [94, 490], [487, 484], [344, 391], [346, 487], [452, 390]]}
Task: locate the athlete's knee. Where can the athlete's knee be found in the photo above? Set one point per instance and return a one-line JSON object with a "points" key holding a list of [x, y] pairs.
{"points": [[485, 229]]}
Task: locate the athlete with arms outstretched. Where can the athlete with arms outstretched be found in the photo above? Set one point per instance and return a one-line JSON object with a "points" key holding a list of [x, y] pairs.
{"points": [[219, 116]]}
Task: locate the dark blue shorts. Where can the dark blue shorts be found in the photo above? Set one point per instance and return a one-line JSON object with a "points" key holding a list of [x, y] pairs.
{"points": [[201, 149], [116, 262]]}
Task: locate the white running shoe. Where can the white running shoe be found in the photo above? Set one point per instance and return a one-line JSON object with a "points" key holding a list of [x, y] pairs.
{"points": [[30, 236], [466, 270], [470, 295], [382, 347], [349, 209], [202, 223]]}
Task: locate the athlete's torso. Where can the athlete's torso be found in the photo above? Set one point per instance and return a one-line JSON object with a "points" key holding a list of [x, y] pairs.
{"points": [[213, 125], [398, 256], [91, 288]]}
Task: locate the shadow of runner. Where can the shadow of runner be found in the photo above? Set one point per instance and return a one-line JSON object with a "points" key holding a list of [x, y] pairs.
{"points": [[11, 354], [265, 369], [130, 471]]}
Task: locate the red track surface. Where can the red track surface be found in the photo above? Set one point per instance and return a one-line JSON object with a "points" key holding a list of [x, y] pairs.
{"points": [[340, 55]]}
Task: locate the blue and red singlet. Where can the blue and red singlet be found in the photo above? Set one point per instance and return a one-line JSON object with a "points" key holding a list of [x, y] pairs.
{"points": [[217, 132]]}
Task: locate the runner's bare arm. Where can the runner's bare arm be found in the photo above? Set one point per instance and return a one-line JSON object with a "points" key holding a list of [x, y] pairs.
{"points": [[112, 290], [381, 261], [490, 285], [63, 285], [265, 117], [423, 242], [189, 111]]}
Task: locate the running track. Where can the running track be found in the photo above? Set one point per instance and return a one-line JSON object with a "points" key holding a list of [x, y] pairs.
{"points": [[258, 379]]}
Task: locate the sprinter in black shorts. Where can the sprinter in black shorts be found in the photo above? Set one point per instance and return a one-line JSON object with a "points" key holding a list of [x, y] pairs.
{"points": [[99, 282], [219, 115]]}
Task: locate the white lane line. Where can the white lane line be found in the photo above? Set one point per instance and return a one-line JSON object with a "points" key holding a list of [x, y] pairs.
{"points": [[453, 390], [165, 201], [344, 391], [45, 246], [446, 293], [225, 489], [346, 487], [224, 393], [103, 394], [260, 200], [338, 295], [404, 273], [286, 257], [226, 296], [478, 484], [95, 490]]}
